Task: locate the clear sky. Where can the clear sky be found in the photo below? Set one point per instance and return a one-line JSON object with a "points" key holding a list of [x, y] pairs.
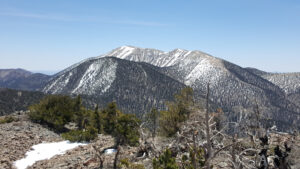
{"points": [[51, 35]]}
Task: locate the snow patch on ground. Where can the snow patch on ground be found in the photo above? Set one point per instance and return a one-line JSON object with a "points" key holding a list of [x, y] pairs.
{"points": [[110, 151], [45, 151]]}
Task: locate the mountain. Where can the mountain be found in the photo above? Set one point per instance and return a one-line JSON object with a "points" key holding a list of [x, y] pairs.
{"points": [[237, 90], [141, 78], [22, 79], [16, 100], [136, 87], [9, 74]]}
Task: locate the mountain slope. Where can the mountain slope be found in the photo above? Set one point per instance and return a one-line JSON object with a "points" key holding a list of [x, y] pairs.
{"points": [[136, 87], [22, 79], [288, 82]]}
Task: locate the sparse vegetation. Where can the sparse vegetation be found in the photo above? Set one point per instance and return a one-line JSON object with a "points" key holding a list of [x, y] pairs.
{"points": [[126, 164], [7, 119], [201, 133], [81, 135]]}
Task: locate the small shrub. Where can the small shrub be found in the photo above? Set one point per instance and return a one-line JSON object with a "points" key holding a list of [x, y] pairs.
{"points": [[165, 161], [54, 111], [7, 119], [81, 135]]}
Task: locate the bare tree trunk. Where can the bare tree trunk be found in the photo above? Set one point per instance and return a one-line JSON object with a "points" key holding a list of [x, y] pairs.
{"points": [[208, 137], [194, 161], [233, 148], [116, 157]]}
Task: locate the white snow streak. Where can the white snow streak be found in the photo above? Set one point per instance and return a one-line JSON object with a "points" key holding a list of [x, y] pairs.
{"points": [[59, 83], [123, 52], [99, 75]]}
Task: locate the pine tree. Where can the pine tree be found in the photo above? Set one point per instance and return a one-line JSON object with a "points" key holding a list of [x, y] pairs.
{"points": [[96, 120], [78, 113], [127, 130], [111, 114]]}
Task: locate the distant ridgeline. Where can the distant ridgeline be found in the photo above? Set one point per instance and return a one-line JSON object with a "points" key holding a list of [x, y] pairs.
{"points": [[140, 79], [16, 100]]}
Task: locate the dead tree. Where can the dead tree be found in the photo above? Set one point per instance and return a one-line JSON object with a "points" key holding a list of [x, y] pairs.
{"points": [[100, 156], [208, 138]]}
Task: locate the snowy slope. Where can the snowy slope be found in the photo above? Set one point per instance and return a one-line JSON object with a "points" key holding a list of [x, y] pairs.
{"points": [[289, 82], [191, 64], [97, 76], [136, 87]]}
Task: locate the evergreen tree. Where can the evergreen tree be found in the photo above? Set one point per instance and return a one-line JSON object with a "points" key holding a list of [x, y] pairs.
{"points": [[96, 120], [111, 114], [79, 113], [126, 131]]}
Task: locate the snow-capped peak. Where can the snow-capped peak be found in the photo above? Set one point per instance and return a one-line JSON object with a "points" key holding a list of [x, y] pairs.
{"points": [[122, 52]]}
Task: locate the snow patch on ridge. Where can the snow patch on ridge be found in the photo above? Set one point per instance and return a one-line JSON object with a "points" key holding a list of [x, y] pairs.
{"points": [[45, 151], [122, 52], [153, 56]]}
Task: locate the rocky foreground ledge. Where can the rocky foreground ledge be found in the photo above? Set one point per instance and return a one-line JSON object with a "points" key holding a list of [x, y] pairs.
{"points": [[16, 138]]}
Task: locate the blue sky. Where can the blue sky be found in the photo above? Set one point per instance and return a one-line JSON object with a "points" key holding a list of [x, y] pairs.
{"points": [[51, 35]]}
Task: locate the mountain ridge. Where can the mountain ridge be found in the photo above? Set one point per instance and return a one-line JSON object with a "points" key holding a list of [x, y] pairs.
{"points": [[127, 71], [22, 79]]}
